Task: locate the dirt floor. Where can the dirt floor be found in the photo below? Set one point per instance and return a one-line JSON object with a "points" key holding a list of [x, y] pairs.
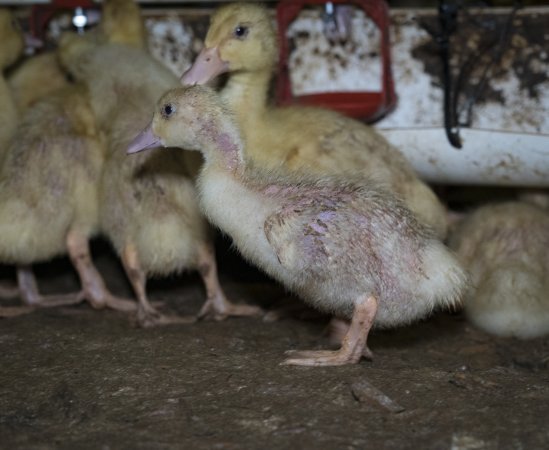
{"points": [[78, 378]]}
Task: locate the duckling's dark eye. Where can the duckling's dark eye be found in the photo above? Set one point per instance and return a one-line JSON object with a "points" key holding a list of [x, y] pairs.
{"points": [[241, 31], [168, 109]]}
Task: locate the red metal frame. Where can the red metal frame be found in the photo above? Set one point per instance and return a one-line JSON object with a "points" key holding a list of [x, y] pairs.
{"points": [[368, 106], [41, 14]]}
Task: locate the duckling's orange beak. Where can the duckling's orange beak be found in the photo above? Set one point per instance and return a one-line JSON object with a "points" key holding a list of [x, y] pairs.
{"points": [[206, 67], [144, 140]]}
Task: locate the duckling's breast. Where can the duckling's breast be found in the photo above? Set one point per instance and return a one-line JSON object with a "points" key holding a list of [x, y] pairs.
{"points": [[241, 212]]}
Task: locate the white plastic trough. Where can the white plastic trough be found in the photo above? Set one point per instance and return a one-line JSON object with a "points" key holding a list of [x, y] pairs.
{"points": [[488, 157]]}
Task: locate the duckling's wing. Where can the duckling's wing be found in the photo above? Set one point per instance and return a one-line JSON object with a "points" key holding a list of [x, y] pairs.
{"points": [[328, 229], [308, 234]]}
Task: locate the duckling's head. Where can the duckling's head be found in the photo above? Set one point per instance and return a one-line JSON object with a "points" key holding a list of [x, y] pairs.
{"points": [[11, 39], [241, 38], [121, 23], [193, 118], [72, 50]]}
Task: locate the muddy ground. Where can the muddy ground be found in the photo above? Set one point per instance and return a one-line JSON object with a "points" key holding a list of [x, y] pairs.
{"points": [[78, 378]]}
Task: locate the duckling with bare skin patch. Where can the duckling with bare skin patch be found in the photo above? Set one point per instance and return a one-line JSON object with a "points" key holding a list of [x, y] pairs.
{"points": [[348, 248], [506, 248], [242, 41]]}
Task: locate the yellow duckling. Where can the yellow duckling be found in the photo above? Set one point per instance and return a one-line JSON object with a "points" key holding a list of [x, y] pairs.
{"points": [[242, 41], [48, 196], [347, 247], [58, 140], [506, 248], [11, 47], [122, 23], [41, 75], [148, 205]]}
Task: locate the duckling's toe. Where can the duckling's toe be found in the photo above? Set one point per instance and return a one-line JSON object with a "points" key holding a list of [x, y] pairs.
{"points": [[320, 358], [148, 317], [120, 304], [14, 311], [219, 308], [33, 300]]}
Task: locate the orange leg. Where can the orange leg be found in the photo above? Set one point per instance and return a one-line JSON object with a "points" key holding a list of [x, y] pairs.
{"points": [[217, 306], [93, 286], [147, 314], [353, 345], [338, 329], [31, 297]]}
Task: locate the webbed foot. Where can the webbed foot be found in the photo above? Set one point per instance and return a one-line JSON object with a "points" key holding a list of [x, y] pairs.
{"points": [[353, 345], [148, 317], [219, 308]]}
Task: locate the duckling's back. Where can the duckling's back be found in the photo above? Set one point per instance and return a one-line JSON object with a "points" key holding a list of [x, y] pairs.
{"points": [[49, 177], [27, 80]]}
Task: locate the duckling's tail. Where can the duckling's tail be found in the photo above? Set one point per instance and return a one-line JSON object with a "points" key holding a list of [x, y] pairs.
{"points": [[447, 281], [511, 301], [423, 202]]}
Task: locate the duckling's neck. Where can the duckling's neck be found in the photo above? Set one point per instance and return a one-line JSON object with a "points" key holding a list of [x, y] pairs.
{"points": [[246, 93], [222, 147]]}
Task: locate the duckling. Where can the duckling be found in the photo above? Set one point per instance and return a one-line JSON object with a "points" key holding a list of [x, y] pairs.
{"points": [[36, 78], [122, 23], [148, 205], [41, 75], [349, 248], [48, 196], [28, 87], [11, 48], [505, 246], [538, 197], [242, 41]]}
